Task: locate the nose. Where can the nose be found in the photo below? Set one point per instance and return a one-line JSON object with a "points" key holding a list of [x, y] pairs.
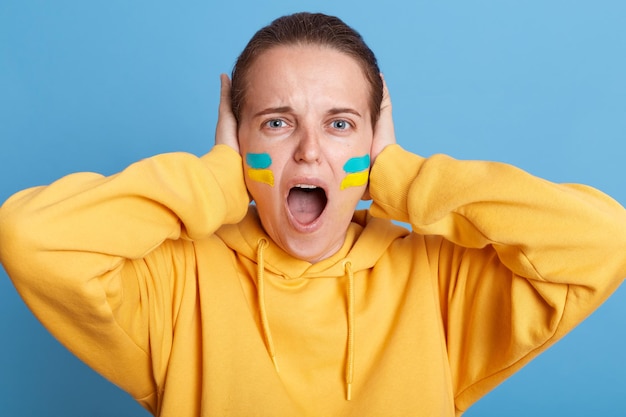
{"points": [[308, 149]]}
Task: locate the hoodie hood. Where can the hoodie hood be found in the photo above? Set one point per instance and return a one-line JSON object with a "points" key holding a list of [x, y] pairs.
{"points": [[367, 238]]}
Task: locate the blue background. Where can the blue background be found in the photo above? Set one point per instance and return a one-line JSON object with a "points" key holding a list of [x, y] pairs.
{"points": [[92, 85]]}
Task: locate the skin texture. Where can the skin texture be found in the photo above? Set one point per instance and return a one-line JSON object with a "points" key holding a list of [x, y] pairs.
{"points": [[307, 107]]}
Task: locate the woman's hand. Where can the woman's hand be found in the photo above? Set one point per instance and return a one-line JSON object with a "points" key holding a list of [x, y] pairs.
{"points": [[226, 129], [384, 134]]}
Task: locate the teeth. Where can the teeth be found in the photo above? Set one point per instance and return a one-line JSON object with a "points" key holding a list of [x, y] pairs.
{"points": [[307, 186]]}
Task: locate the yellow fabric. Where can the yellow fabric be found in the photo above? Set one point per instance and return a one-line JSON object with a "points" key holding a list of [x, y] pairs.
{"points": [[151, 277]]}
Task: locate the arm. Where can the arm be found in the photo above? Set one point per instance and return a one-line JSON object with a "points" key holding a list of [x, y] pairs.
{"points": [[93, 256], [518, 261], [78, 247]]}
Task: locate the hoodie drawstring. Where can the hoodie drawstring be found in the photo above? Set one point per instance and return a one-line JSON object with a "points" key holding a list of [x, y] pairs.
{"points": [[350, 358], [267, 334], [261, 300]]}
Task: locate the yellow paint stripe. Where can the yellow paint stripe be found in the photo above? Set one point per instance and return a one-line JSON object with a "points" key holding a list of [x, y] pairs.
{"points": [[355, 180], [262, 175]]}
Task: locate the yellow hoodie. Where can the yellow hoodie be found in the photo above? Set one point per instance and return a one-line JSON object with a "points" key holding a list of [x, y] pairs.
{"points": [[158, 279]]}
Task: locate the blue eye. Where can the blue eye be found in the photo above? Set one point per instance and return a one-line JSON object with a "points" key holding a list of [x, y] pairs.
{"points": [[340, 124], [275, 123]]}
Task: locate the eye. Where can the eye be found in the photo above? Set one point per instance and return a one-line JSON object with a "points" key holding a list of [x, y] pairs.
{"points": [[275, 123], [340, 124]]}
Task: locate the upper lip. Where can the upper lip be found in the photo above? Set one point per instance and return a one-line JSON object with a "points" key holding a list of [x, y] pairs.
{"points": [[307, 181]]}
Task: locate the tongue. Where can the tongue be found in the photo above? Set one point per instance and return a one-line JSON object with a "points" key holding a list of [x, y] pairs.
{"points": [[306, 205]]}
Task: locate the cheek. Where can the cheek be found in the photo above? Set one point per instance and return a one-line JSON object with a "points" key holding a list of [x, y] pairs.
{"points": [[258, 168], [357, 171]]}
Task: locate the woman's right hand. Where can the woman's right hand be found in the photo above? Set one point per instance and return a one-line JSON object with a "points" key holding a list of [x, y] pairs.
{"points": [[226, 129]]}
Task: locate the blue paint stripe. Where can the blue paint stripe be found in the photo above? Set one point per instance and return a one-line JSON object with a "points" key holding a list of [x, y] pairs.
{"points": [[360, 163], [258, 160]]}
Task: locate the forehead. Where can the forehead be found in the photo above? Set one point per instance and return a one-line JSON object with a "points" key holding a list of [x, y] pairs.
{"points": [[306, 74]]}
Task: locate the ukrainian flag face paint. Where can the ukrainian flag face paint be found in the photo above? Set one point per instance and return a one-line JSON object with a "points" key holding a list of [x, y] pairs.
{"points": [[258, 164], [357, 170]]}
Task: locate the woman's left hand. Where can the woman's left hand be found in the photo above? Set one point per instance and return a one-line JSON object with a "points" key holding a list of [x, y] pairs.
{"points": [[384, 134]]}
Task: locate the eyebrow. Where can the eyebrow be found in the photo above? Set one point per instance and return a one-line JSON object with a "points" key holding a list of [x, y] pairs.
{"points": [[338, 110], [270, 110], [288, 109]]}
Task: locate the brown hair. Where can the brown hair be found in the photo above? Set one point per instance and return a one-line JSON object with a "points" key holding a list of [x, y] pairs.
{"points": [[308, 29]]}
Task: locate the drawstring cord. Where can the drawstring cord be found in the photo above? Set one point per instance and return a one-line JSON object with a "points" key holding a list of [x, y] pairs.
{"points": [[263, 243], [261, 300], [350, 359]]}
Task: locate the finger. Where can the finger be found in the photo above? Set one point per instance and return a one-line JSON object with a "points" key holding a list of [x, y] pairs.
{"points": [[384, 132], [226, 129], [385, 104], [225, 103], [225, 108]]}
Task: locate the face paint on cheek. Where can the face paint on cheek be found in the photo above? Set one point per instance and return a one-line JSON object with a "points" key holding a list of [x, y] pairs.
{"points": [[258, 164], [358, 172]]}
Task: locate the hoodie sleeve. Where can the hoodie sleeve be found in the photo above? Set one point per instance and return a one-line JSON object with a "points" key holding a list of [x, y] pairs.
{"points": [[518, 261], [78, 247]]}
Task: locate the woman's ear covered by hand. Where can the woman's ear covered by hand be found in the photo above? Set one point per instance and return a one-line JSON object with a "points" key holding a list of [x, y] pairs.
{"points": [[226, 130], [384, 134]]}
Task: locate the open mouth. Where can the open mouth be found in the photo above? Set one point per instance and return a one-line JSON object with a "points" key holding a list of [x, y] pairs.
{"points": [[306, 202]]}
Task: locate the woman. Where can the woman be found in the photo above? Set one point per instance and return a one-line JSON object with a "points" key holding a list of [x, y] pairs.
{"points": [[165, 280]]}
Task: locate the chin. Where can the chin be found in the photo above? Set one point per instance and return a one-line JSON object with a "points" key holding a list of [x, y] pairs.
{"points": [[313, 248]]}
